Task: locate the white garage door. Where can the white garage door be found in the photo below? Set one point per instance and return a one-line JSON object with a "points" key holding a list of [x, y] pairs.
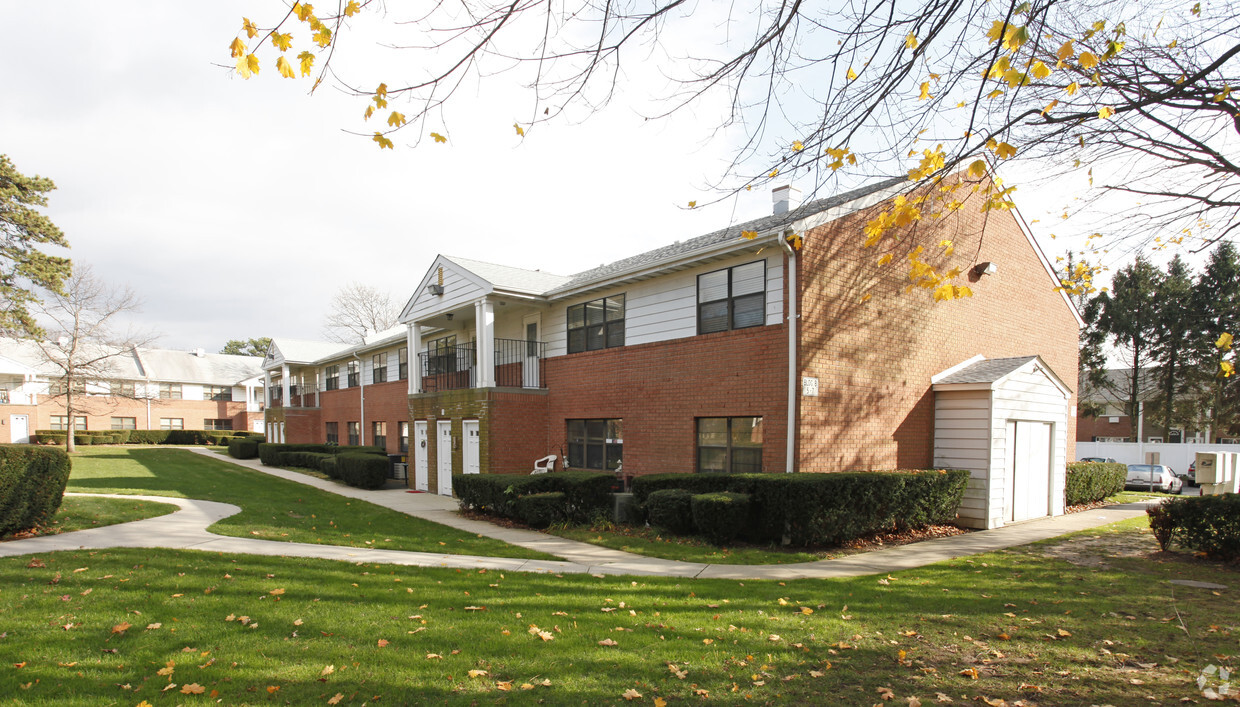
{"points": [[1029, 470]]}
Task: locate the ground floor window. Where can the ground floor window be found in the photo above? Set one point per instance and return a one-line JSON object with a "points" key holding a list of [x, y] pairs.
{"points": [[404, 436], [217, 425], [355, 433], [378, 434], [595, 444], [729, 444], [171, 423], [61, 422], [124, 423], [333, 433]]}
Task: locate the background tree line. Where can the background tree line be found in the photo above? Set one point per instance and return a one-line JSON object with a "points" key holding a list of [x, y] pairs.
{"points": [[1165, 326]]}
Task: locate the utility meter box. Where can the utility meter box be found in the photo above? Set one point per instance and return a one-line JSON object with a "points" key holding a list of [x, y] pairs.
{"points": [[1208, 468]]}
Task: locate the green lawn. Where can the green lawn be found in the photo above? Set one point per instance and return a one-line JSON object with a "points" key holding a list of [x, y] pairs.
{"points": [[652, 543], [272, 508], [87, 628], [82, 513]]}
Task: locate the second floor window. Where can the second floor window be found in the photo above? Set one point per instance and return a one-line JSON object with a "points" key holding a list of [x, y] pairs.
{"points": [[379, 368], [733, 298], [122, 389], [403, 357], [170, 391], [332, 375], [216, 392], [442, 358], [353, 369], [597, 324]]}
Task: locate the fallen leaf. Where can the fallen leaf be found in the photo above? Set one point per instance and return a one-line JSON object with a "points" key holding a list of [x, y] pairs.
{"points": [[886, 693], [328, 670], [477, 673], [607, 642], [631, 694], [152, 627], [193, 689], [121, 627], [970, 673], [505, 686], [383, 642], [336, 700], [433, 656], [1064, 633], [273, 689]]}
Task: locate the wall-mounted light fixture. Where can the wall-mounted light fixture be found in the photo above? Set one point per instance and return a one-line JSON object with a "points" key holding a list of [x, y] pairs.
{"points": [[449, 315], [986, 268], [434, 289]]}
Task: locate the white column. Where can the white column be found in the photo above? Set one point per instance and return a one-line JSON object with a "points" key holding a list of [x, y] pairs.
{"points": [[484, 313], [413, 341], [284, 384], [266, 389], [317, 385]]}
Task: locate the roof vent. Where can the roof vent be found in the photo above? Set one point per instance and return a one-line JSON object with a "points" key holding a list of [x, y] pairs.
{"points": [[785, 198]]}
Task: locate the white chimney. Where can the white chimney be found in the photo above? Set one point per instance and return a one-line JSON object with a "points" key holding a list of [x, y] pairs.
{"points": [[785, 198]]}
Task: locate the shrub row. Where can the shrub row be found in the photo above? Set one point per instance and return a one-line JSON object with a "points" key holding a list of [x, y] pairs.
{"points": [[807, 509], [583, 494], [1093, 481], [85, 437], [363, 467], [32, 485], [244, 447], [1209, 524]]}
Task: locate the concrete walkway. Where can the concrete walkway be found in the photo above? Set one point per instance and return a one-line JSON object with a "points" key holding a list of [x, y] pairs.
{"points": [[186, 529]]}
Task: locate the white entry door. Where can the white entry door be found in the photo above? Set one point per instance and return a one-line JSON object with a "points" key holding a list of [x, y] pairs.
{"points": [[473, 447], [421, 468], [443, 452], [1029, 473], [19, 429], [530, 373]]}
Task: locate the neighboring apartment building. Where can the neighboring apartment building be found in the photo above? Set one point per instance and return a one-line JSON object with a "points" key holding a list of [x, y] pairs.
{"points": [[144, 389], [693, 357], [1104, 413]]}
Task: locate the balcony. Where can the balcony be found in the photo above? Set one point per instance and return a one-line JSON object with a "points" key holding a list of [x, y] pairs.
{"points": [[518, 364]]}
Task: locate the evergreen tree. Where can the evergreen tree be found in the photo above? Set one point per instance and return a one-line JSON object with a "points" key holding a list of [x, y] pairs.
{"points": [[1216, 303], [1169, 349], [1128, 315]]}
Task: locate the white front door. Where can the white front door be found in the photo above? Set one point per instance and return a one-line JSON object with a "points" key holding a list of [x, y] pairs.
{"points": [[443, 451], [473, 448], [1029, 475], [19, 429], [421, 469], [530, 374]]}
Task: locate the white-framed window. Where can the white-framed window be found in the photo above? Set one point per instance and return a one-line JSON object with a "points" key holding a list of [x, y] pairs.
{"points": [[732, 298], [60, 423], [219, 424], [378, 368], [171, 423], [170, 391], [124, 423], [597, 324]]}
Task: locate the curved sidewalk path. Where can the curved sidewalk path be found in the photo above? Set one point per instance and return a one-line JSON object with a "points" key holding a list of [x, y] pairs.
{"points": [[186, 529]]}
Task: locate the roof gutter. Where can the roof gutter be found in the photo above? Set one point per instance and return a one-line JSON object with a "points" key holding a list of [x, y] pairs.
{"points": [[792, 424]]}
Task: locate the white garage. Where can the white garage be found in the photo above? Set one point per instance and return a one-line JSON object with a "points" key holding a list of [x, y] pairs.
{"points": [[1005, 420]]}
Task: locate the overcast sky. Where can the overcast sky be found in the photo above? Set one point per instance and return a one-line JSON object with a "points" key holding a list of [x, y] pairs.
{"points": [[237, 208]]}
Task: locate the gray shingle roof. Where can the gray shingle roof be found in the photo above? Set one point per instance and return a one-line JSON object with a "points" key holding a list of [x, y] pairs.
{"points": [[305, 351], [166, 365], [679, 250], [986, 371], [505, 277]]}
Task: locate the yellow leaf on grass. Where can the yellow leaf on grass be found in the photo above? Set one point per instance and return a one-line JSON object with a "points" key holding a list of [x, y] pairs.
{"points": [[477, 673], [121, 627], [660, 702], [285, 68], [970, 673], [631, 694], [335, 700], [327, 670], [193, 689], [607, 642], [433, 656]]}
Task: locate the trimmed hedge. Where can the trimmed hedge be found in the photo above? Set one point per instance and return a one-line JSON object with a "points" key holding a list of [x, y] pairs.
{"points": [[328, 466], [148, 436], [825, 509], [671, 510], [542, 509], [1209, 524], [1093, 481], [243, 448], [271, 454], [365, 471], [586, 493], [720, 516], [32, 485]]}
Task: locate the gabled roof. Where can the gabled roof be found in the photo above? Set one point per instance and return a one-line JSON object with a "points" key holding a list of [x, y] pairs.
{"points": [[504, 277], [164, 365], [979, 373], [299, 350], [1117, 385]]}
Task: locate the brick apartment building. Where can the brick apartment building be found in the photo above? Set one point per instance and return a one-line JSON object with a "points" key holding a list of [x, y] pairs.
{"points": [[693, 357], [145, 389]]}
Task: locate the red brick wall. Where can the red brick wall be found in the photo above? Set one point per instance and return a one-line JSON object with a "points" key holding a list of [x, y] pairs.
{"points": [[385, 402], [1088, 427], [874, 358], [99, 411], [32, 415], [517, 434], [658, 389]]}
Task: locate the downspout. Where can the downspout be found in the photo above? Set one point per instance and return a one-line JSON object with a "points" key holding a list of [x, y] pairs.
{"points": [[361, 379], [792, 424]]}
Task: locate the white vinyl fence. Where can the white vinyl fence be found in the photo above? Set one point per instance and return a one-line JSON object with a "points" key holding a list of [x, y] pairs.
{"points": [[1176, 456]]}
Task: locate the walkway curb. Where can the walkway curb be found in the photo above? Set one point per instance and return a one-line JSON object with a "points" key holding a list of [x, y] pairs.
{"points": [[186, 529]]}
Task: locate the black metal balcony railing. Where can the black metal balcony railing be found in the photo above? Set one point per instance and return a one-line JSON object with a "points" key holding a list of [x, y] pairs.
{"points": [[518, 364]]}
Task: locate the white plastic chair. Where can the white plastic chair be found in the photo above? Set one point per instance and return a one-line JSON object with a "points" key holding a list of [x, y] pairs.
{"points": [[542, 466]]}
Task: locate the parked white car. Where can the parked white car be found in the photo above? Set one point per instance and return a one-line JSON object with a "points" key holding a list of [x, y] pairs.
{"points": [[1153, 477]]}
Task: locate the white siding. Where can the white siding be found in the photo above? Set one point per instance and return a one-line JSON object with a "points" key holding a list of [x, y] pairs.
{"points": [[459, 290], [1028, 394], [665, 308], [961, 441]]}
